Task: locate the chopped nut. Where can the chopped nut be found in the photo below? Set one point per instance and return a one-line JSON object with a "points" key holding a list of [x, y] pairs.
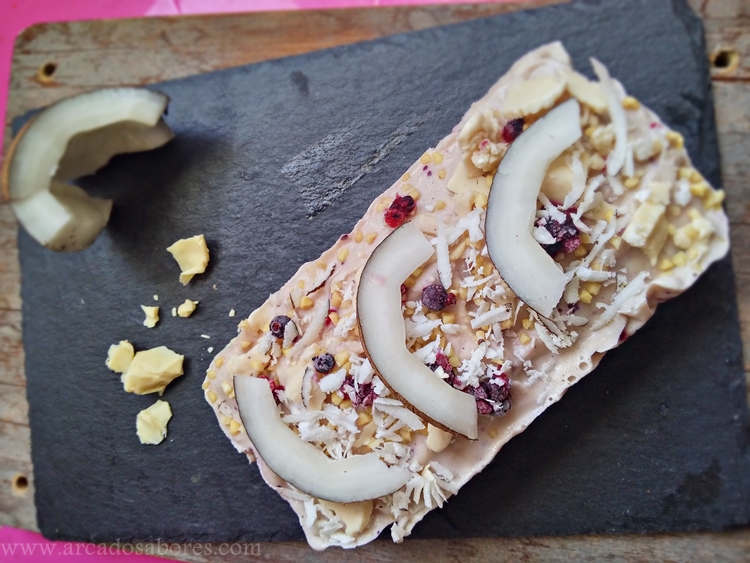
{"points": [[675, 210], [342, 255], [695, 176], [441, 174], [699, 189], [629, 102], [679, 259], [458, 250], [405, 434], [480, 200], [370, 237], [449, 318], [305, 302], [593, 288], [615, 241], [358, 236], [211, 374], [440, 205], [630, 183], [381, 207], [415, 194], [342, 357], [585, 296], [596, 163], [212, 396], [227, 387], [336, 399], [437, 157], [505, 325], [671, 229], [675, 139], [666, 265], [580, 252], [426, 158], [527, 323], [363, 418], [524, 339], [345, 404], [405, 177], [336, 299], [454, 360], [205, 384], [234, 427], [713, 199]]}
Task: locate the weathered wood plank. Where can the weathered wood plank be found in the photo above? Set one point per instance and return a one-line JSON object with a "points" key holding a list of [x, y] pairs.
{"points": [[11, 348], [16, 503]]}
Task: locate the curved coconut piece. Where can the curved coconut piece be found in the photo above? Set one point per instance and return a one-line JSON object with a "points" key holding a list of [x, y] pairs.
{"points": [[524, 265], [73, 138], [383, 334], [352, 479]]}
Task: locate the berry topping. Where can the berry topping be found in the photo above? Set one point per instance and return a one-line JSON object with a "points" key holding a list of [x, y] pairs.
{"points": [[278, 324], [394, 218], [441, 360], [324, 363], [274, 386], [364, 394], [404, 291], [436, 298], [512, 130], [401, 207], [566, 235]]}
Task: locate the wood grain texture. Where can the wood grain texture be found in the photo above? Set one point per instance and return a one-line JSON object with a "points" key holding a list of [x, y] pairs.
{"points": [[135, 52]]}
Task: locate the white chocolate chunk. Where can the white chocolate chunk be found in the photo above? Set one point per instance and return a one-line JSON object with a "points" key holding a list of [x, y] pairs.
{"points": [[532, 96], [187, 308], [151, 423], [152, 370], [152, 316], [119, 356], [437, 439], [191, 255], [643, 223]]}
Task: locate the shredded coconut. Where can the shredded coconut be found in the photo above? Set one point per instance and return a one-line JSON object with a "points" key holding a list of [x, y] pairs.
{"points": [[637, 285]]}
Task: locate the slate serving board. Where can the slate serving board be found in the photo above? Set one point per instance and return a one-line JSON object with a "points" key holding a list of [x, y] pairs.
{"points": [[272, 162]]}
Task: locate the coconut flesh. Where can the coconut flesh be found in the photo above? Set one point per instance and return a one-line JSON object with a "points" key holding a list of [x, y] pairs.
{"points": [[70, 139], [383, 334], [352, 479], [511, 209]]}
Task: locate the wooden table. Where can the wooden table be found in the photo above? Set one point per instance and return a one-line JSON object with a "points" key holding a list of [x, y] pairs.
{"points": [[57, 60]]}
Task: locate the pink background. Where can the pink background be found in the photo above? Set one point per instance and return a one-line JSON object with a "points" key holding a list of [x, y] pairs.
{"points": [[16, 15]]}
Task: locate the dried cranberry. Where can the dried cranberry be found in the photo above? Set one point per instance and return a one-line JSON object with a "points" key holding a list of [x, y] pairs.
{"points": [[512, 130], [394, 218], [324, 363], [435, 297], [450, 300], [278, 324], [404, 290], [396, 214]]}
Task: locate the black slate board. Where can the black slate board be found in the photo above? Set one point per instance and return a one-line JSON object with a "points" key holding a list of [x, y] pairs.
{"points": [[655, 440]]}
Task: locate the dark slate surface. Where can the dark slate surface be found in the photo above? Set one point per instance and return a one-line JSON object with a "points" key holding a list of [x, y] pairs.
{"points": [[656, 439]]}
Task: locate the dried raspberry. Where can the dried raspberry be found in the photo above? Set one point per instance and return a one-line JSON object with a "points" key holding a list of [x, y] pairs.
{"points": [[512, 130], [394, 218], [435, 297], [569, 245], [441, 360], [483, 407], [565, 234], [404, 290], [363, 396], [478, 392], [278, 324], [324, 363], [450, 300]]}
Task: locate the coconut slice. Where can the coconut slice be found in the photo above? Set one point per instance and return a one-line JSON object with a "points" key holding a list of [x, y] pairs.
{"points": [[353, 479], [383, 334], [73, 138], [529, 271]]}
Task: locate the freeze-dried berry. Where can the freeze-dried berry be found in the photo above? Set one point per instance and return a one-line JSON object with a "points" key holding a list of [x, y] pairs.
{"points": [[275, 387], [442, 361], [399, 210], [566, 235], [361, 396], [323, 363], [483, 407], [512, 130], [394, 218], [435, 297], [492, 395], [278, 324]]}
